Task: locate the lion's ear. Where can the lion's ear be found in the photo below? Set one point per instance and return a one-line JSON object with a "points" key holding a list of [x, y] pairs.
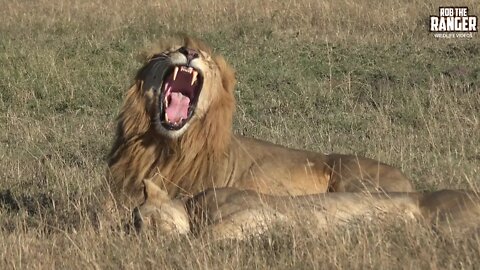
{"points": [[227, 72], [154, 192]]}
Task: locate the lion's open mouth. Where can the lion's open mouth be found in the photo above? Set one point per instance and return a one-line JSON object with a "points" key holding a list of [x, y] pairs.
{"points": [[178, 100]]}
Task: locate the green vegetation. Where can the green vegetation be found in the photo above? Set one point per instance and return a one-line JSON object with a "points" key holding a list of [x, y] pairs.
{"points": [[330, 76]]}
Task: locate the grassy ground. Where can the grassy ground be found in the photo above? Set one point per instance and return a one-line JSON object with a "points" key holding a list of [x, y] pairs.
{"points": [[330, 76]]}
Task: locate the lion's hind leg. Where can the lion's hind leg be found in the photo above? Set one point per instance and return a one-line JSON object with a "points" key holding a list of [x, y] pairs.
{"points": [[354, 174]]}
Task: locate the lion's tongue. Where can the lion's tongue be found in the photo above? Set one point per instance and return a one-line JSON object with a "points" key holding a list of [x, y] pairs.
{"points": [[177, 109]]}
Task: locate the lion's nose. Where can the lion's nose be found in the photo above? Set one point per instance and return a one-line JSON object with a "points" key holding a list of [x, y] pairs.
{"points": [[189, 53]]}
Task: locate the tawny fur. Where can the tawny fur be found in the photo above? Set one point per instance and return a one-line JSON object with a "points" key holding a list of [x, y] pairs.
{"points": [[233, 213], [208, 155], [139, 152]]}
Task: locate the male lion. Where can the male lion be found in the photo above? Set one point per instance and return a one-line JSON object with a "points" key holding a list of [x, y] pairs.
{"points": [[175, 127], [234, 213]]}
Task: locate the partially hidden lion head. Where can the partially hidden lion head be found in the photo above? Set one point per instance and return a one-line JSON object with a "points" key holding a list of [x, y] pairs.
{"points": [[160, 213], [175, 121]]}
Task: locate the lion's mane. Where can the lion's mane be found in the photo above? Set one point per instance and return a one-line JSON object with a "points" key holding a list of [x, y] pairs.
{"points": [[139, 152]]}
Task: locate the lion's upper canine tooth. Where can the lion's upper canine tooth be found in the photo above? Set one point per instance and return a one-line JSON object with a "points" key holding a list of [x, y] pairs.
{"points": [[175, 73], [194, 77]]}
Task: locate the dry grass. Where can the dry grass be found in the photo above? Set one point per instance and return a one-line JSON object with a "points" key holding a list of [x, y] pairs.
{"points": [[323, 75]]}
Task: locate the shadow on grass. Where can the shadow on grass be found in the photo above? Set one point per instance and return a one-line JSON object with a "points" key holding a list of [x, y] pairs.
{"points": [[47, 213]]}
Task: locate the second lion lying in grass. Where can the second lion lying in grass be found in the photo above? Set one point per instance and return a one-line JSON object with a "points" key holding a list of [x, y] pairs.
{"points": [[233, 213]]}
